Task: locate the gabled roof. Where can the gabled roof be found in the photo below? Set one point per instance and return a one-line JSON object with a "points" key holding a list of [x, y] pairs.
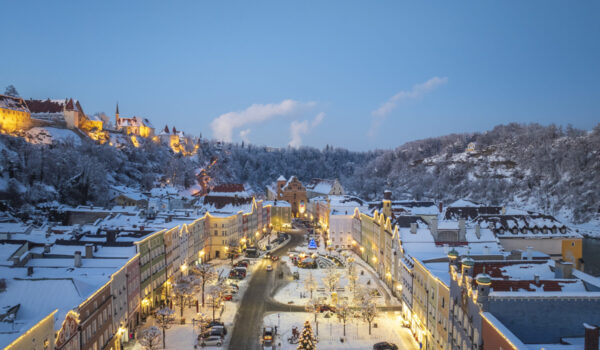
{"points": [[13, 103], [53, 106]]}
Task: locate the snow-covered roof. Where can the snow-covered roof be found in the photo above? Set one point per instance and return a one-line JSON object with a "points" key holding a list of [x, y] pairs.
{"points": [[281, 178], [13, 103]]}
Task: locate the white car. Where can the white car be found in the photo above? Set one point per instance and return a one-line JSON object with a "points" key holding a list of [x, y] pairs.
{"points": [[269, 268], [212, 340]]}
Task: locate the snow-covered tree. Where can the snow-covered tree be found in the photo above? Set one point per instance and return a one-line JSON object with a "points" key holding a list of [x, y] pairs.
{"points": [[150, 338], [313, 306], [165, 319], [343, 312], [368, 307], [11, 91], [307, 339], [310, 284], [206, 273], [214, 297], [183, 293], [332, 278]]}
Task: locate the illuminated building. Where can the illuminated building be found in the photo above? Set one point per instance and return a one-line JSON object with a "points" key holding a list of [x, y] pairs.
{"points": [[14, 114]]}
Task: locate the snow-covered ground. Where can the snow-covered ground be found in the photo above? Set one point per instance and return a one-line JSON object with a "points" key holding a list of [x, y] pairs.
{"points": [[388, 329], [48, 135], [183, 336]]}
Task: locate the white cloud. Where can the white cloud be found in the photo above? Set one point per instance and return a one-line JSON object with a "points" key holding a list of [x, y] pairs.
{"points": [[223, 125], [244, 135], [299, 129], [417, 92]]}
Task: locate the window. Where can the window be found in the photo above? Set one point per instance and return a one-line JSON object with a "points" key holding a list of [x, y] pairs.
{"points": [[216, 233]]}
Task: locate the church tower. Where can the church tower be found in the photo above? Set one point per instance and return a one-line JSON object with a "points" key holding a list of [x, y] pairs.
{"points": [[117, 116]]}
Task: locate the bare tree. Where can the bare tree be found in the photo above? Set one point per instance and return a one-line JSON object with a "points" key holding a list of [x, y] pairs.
{"points": [[165, 318], [205, 273], [332, 278], [343, 311], [368, 307], [353, 279], [313, 306], [150, 338], [183, 293], [214, 297], [310, 284]]}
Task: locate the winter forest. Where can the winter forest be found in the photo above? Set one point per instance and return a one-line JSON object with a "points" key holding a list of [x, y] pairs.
{"points": [[547, 168]]}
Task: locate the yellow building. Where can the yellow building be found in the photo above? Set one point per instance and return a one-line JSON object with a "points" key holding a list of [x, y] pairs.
{"points": [[14, 114], [572, 251], [134, 125], [38, 337]]}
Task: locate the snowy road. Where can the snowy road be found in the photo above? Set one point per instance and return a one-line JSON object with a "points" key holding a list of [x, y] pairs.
{"points": [[249, 320]]}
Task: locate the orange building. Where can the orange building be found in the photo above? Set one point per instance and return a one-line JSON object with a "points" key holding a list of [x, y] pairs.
{"points": [[293, 192]]}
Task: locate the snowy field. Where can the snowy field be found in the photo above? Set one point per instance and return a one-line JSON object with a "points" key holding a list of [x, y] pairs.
{"points": [[331, 331]]}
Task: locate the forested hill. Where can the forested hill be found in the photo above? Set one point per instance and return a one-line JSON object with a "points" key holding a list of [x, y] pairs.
{"points": [[543, 168]]}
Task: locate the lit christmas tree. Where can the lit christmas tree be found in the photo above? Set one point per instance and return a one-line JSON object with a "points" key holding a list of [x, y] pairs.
{"points": [[307, 340]]}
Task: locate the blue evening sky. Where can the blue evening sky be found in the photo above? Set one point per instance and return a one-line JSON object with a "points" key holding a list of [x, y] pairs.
{"points": [[185, 63]]}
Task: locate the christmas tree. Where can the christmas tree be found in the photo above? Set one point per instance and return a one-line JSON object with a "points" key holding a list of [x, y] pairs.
{"points": [[307, 340]]}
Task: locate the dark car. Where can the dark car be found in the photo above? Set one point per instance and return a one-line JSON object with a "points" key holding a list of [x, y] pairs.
{"points": [[323, 308], [385, 346], [213, 323]]}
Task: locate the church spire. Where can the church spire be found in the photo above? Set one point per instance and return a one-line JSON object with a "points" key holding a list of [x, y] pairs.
{"points": [[117, 116]]}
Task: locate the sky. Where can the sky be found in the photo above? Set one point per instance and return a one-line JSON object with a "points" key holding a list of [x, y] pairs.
{"points": [[356, 74]]}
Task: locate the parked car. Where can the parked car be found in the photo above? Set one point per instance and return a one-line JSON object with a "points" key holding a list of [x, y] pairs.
{"points": [[212, 340], [227, 297], [274, 258], [212, 324], [219, 328], [269, 268], [385, 346], [241, 264], [214, 331], [325, 307]]}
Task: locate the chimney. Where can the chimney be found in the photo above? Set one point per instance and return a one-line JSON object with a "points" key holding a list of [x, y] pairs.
{"points": [[413, 228], [89, 251], [591, 337], [563, 269], [433, 226], [536, 279], [440, 206], [77, 262], [462, 229], [529, 253], [486, 250], [47, 248], [503, 210], [478, 230], [29, 270]]}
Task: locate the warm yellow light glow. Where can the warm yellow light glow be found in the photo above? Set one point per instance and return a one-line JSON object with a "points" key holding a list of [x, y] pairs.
{"points": [[183, 268], [202, 253], [135, 141], [362, 249]]}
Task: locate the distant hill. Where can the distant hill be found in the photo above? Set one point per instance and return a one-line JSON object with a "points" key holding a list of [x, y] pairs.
{"points": [[543, 168]]}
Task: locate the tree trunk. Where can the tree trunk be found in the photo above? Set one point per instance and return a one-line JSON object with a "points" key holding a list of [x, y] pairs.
{"points": [[369, 328], [164, 338], [203, 292], [344, 328], [317, 324]]}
